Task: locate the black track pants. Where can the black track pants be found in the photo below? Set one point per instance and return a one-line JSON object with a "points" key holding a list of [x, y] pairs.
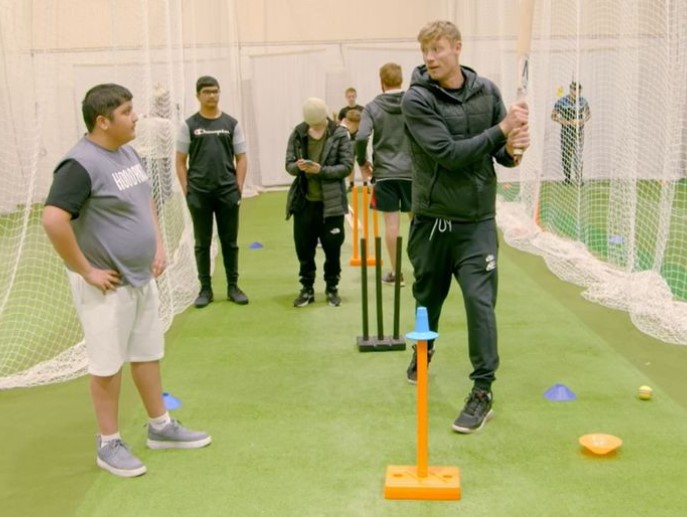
{"points": [[309, 227], [204, 209], [440, 250]]}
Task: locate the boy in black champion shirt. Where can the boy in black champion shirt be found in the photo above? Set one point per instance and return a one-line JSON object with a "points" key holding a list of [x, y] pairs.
{"points": [[211, 165]]}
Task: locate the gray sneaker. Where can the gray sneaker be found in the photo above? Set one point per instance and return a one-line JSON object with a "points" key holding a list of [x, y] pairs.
{"points": [[476, 413], [116, 458], [176, 436]]}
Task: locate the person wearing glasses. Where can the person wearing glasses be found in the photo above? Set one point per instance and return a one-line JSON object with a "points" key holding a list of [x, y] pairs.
{"points": [[211, 164]]}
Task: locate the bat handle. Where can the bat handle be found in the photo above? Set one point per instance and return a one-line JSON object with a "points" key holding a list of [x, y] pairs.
{"points": [[518, 152]]}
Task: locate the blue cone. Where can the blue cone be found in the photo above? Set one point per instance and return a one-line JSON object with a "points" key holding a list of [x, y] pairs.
{"points": [[421, 332], [256, 245], [171, 402], [559, 393]]}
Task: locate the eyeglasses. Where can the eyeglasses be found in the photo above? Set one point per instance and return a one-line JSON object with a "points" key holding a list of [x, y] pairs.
{"points": [[209, 92]]}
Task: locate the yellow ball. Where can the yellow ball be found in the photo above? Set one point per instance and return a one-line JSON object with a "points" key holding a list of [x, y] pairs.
{"points": [[645, 392]]}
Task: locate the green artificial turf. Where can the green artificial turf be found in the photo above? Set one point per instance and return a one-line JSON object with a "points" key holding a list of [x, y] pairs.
{"points": [[305, 425]]}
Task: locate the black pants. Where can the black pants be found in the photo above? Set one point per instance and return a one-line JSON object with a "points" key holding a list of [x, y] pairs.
{"points": [[438, 251], [309, 227], [224, 207], [571, 155]]}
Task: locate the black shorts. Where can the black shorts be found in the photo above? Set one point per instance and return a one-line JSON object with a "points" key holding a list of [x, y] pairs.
{"points": [[392, 196]]}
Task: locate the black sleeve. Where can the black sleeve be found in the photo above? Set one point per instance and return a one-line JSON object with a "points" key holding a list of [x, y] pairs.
{"points": [[71, 187]]}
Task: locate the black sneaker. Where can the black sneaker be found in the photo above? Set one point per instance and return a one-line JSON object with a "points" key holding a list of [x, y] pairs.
{"points": [[306, 296], [411, 372], [333, 297], [236, 295], [204, 299], [476, 413]]}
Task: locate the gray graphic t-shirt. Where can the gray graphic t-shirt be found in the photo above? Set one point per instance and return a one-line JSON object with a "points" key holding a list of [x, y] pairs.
{"points": [[109, 197]]}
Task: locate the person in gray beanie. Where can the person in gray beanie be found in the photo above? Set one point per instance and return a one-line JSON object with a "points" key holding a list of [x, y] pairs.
{"points": [[319, 155]]}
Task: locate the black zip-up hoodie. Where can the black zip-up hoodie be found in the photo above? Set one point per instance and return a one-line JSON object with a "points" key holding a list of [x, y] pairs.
{"points": [[382, 118], [455, 138]]}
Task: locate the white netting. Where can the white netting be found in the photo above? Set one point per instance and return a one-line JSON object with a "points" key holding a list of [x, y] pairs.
{"points": [[609, 195], [618, 225], [47, 63], [619, 228]]}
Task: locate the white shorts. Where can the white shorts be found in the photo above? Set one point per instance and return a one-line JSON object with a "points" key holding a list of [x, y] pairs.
{"points": [[120, 326]]}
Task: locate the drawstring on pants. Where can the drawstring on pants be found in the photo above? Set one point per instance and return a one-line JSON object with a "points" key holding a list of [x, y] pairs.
{"points": [[442, 225]]}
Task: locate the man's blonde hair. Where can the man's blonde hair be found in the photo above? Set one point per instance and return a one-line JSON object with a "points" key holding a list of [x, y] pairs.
{"points": [[391, 75], [438, 29]]}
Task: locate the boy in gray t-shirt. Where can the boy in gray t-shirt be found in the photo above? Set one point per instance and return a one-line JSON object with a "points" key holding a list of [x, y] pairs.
{"points": [[101, 219]]}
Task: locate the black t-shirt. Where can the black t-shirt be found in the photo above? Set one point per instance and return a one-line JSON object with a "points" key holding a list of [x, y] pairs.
{"points": [[211, 153]]}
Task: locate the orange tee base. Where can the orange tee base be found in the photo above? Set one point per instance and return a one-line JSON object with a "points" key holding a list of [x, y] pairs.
{"points": [[440, 483]]}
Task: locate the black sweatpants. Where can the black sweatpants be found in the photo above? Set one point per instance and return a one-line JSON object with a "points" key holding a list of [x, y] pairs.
{"points": [[439, 250], [572, 143], [204, 208], [309, 226]]}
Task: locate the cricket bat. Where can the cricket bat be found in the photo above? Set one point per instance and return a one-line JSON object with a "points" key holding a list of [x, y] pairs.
{"points": [[526, 8]]}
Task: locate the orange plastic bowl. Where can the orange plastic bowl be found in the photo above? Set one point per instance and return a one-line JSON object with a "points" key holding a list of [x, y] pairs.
{"points": [[600, 443]]}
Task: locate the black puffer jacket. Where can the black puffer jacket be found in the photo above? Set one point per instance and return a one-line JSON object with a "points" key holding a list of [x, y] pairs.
{"points": [[336, 163], [454, 139]]}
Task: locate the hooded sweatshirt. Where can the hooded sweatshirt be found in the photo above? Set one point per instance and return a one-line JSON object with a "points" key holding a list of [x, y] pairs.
{"points": [[455, 138], [382, 118]]}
